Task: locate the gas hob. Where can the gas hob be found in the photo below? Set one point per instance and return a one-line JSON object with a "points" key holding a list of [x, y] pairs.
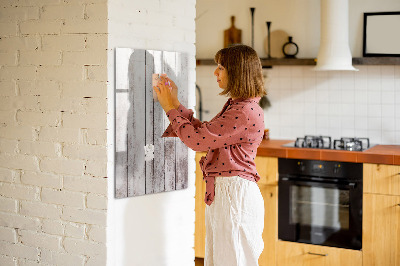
{"points": [[325, 142]]}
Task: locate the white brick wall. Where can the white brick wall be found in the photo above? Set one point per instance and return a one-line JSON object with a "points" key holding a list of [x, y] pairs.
{"points": [[53, 110]]}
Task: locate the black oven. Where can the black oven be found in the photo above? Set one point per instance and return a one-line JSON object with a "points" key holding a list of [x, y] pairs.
{"points": [[320, 202]]}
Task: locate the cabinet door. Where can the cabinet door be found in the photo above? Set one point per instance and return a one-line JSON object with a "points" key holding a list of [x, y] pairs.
{"points": [[270, 233], [297, 254], [267, 168], [200, 207], [381, 230], [381, 179]]}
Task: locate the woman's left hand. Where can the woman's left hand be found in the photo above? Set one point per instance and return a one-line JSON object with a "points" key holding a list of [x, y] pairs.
{"points": [[164, 94]]}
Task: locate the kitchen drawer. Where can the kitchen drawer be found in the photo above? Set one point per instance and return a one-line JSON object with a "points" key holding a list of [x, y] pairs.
{"points": [[267, 168], [298, 254], [381, 179]]}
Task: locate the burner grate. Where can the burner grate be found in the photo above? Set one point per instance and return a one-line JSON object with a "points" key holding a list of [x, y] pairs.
{"points": [[321, 142], [351, 144]]}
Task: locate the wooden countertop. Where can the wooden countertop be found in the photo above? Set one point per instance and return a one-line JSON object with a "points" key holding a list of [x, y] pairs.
{"points": [[379, 154]]}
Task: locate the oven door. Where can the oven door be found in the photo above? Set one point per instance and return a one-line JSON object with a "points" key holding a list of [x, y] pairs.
{"points": [[322, 212]]}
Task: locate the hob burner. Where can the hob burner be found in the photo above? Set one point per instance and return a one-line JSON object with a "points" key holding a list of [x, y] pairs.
{"points": [[324, 142]]}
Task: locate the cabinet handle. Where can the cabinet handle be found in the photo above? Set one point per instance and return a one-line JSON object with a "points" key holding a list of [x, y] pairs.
{"points": [[318, 254], [398, 204]]}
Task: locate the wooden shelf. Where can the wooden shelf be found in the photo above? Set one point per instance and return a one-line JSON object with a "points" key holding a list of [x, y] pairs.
{"points": [[312, 61]]}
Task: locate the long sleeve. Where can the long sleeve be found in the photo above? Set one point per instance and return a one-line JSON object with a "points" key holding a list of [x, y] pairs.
{"points": [[225, 130], [188, 114]]}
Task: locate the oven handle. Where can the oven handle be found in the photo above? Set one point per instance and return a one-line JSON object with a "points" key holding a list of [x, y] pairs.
{"points": [[297, 181]]}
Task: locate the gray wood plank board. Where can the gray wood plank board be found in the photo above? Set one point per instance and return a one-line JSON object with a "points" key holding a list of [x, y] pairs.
{"points": [[169, 143], [159, 115], [140, 121], [121, 110], [181, 149], [151, 184], [136, 124]]}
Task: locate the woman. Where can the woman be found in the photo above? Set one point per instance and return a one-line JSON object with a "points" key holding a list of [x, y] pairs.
{"points": [[235, 207]]}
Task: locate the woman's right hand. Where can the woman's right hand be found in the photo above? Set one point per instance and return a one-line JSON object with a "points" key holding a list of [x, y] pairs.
{"points": [[174, 89]]}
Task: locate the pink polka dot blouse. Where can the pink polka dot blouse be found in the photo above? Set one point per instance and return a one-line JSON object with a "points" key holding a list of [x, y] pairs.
{"points": [[231, 139]]}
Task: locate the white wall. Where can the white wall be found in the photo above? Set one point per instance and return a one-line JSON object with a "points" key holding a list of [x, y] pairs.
{"points": [[155, 229], [338, 104], [299, 18]]}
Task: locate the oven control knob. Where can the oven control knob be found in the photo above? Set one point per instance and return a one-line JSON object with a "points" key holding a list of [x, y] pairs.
{"points": [[336, 169], [302, 167]]}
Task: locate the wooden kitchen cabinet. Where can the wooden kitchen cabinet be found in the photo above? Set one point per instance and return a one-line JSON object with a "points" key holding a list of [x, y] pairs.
{"points": [[381, 230], [298, 254], [381, 215], [270, 233], [381, 179], [267, 168], [200, 207]]}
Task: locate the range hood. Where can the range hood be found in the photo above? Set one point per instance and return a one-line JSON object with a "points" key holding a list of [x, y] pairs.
{"points": [[334, 51]]}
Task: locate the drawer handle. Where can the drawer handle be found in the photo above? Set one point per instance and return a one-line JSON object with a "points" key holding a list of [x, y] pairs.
{"points": [[318, 254]]}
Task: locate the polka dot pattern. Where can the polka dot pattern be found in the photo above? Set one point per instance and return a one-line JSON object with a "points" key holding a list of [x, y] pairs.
{"points": [[231, 139]]}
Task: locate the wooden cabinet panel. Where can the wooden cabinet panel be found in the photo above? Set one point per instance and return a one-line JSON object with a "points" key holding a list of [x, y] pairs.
{"points": [[297, 254], [381, 179], [200, 207], [267, 168], [381, 230], [270, 233]]}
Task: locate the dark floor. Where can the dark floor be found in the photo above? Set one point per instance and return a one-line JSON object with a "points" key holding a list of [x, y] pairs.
{"points": [[199, 262]]}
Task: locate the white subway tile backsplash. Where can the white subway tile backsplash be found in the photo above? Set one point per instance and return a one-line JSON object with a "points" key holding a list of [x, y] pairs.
{"points": [[374, 97], [388, 84], [361, 123], [374, 123], [360, 97], [397, 72], [397, 123], [388, 124], [361, 110], [322, 109], [347, 110], [322, 121], [322, 95], [310, 108], [348, 133], [297, 72], [389, 136], [387, 72], [388, 97], [375, 136], [334, 109], [388, 111], [348, 96], [338, 103], [374, 111], [285, 83], [374, 84], [348, 122]]}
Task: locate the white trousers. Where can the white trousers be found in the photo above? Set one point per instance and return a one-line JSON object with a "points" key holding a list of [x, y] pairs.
{"points": [[234, 223]]}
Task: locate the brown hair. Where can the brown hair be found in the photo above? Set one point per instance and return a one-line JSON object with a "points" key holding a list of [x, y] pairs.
{"points": [[245, 78]]}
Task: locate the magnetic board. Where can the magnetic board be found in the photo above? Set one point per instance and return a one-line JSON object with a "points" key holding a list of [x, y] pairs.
{"points": [[145, 163]]}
